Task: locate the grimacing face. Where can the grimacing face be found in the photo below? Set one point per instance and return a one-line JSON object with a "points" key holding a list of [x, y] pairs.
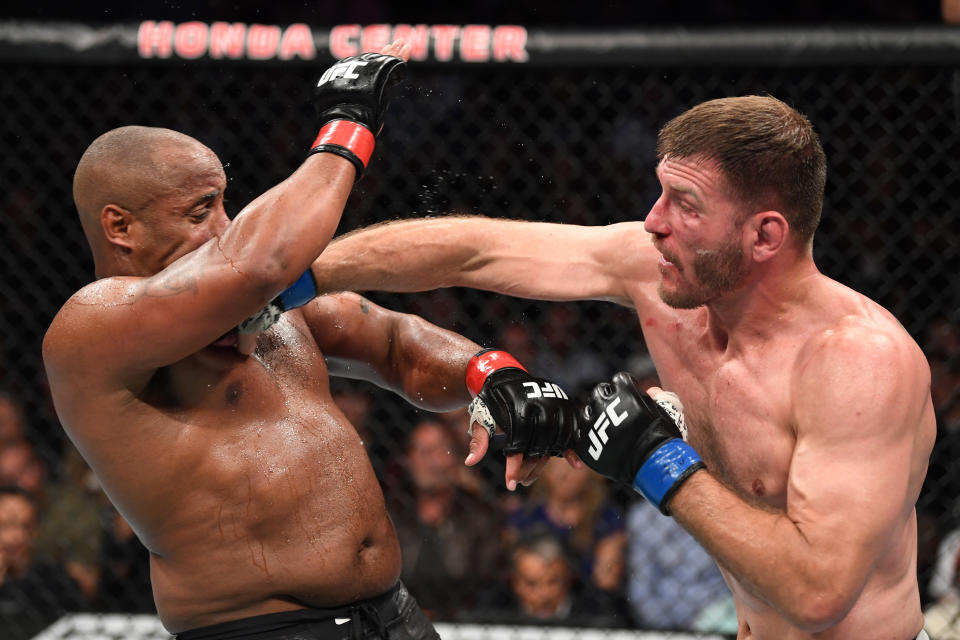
{"points": [[716, 272], [696, 230]]}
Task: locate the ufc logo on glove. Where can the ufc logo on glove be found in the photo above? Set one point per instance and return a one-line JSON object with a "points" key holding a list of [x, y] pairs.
{"points": [[545, 390], [345, 70], [598, 434]]}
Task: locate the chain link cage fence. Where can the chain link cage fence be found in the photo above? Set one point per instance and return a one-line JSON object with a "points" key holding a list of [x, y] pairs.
{"points": [[567, 140]]}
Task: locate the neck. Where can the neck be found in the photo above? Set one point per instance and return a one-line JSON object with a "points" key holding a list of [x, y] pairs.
{"points": [[761, 307]]}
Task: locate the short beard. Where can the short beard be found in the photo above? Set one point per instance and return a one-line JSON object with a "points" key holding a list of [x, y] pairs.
{"points": [[717, 271]]}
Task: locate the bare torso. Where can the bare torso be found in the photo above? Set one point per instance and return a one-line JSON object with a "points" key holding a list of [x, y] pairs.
{"points": [[738, 407], [244, 480]]}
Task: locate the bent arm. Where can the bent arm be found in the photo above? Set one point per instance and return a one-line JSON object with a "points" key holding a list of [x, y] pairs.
{"points": [[525, 259], [853, 481], [401, 352], [129, 326]]}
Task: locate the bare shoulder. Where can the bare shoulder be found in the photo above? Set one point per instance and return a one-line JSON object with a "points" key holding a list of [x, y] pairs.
{"points": [[77, 325], [865, 335], [860, 354], [87, 330]]}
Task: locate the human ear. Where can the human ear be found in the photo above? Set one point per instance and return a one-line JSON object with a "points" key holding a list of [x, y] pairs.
{"points": [[116, 222], [770, 230]]}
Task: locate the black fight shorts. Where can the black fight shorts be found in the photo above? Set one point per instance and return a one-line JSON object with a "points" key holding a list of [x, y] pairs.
{"points": [[394, 615]]}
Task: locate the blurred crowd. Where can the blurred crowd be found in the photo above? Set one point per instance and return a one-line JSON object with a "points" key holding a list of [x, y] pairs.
{"points": [[571, 550]]}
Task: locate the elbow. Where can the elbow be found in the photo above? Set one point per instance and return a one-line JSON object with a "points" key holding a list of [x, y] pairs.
{"points": [[267, 277], [819, 609]]}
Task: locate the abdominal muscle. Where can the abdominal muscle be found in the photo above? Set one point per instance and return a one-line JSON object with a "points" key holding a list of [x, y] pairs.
{"points": [[284, 516]]}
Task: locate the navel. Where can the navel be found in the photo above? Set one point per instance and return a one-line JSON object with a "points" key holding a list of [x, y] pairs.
{"points": [[758, 488]]}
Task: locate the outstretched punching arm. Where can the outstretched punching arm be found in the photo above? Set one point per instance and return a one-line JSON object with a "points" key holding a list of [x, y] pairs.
{"points": [[525, 259]]}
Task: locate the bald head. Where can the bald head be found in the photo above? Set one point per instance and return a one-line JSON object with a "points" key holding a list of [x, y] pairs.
{"points": [[129, 167]]}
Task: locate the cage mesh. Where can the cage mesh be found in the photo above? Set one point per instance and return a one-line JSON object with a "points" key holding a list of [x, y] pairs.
{"points": [[560, 144]]}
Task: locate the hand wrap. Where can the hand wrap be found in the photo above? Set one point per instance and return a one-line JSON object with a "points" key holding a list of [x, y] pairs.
{"points": [[296, 295]]}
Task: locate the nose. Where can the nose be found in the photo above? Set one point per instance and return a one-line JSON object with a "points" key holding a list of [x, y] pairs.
{"points": [[655, 222], [222, 222]]}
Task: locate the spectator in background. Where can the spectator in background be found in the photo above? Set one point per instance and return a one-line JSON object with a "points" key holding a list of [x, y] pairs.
{"points": [[448, 536], [570, 364], [21, 466], [13, 426], [672, 583], [574, 505], [33, 594], [942, 618], [517, 339], [125, 580], [944, 578], [671, 580], [938, 510], [70, 533], [543, 590]]}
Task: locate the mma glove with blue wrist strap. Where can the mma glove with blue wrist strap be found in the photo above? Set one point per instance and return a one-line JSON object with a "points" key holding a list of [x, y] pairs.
{"points": [[627, 436], [535, 414], [296, 295]]}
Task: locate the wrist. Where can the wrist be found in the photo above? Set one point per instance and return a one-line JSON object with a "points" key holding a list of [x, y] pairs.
{"points": [[664, 470], [347, 139], [486, 362]]}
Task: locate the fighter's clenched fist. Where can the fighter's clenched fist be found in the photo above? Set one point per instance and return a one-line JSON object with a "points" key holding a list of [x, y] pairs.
{"points": [[627, 436], [351, 98], [536, 415]]}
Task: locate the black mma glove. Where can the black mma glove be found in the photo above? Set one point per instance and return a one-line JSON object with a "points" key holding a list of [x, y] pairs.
{"points": [[627, 436], [535, 414], [351, 98]]}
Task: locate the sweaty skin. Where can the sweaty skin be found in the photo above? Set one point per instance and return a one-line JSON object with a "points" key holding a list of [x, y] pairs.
{"points": [[226, 452], [808, 402]]}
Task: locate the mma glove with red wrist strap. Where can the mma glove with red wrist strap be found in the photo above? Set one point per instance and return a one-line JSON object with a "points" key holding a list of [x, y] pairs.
{"points": [[627, 436], [351, 98], [535, 414]]}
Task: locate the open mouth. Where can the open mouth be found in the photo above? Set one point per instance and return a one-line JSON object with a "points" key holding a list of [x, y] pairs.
{"points": [[665, 263]]}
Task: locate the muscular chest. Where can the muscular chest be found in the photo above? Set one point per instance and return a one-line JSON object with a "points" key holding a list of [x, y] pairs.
{"points": [[286, 371], [737, 410]]}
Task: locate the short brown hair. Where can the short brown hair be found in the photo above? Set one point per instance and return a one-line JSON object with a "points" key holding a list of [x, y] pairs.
{"points": [[768, 152]]}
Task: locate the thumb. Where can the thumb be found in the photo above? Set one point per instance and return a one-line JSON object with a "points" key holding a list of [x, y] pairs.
{"points": [[479, 443]]}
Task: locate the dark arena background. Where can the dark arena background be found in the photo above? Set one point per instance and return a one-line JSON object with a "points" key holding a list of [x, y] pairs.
{"points": [[554, 124]]}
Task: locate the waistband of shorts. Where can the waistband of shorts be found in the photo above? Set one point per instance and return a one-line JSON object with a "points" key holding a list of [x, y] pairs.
{"points": [[255, 626]]}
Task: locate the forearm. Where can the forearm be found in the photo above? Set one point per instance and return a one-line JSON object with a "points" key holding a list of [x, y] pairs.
{"points": [[278, 235], [766, 552], [403, 256], [428, 364], [524, 259]]}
